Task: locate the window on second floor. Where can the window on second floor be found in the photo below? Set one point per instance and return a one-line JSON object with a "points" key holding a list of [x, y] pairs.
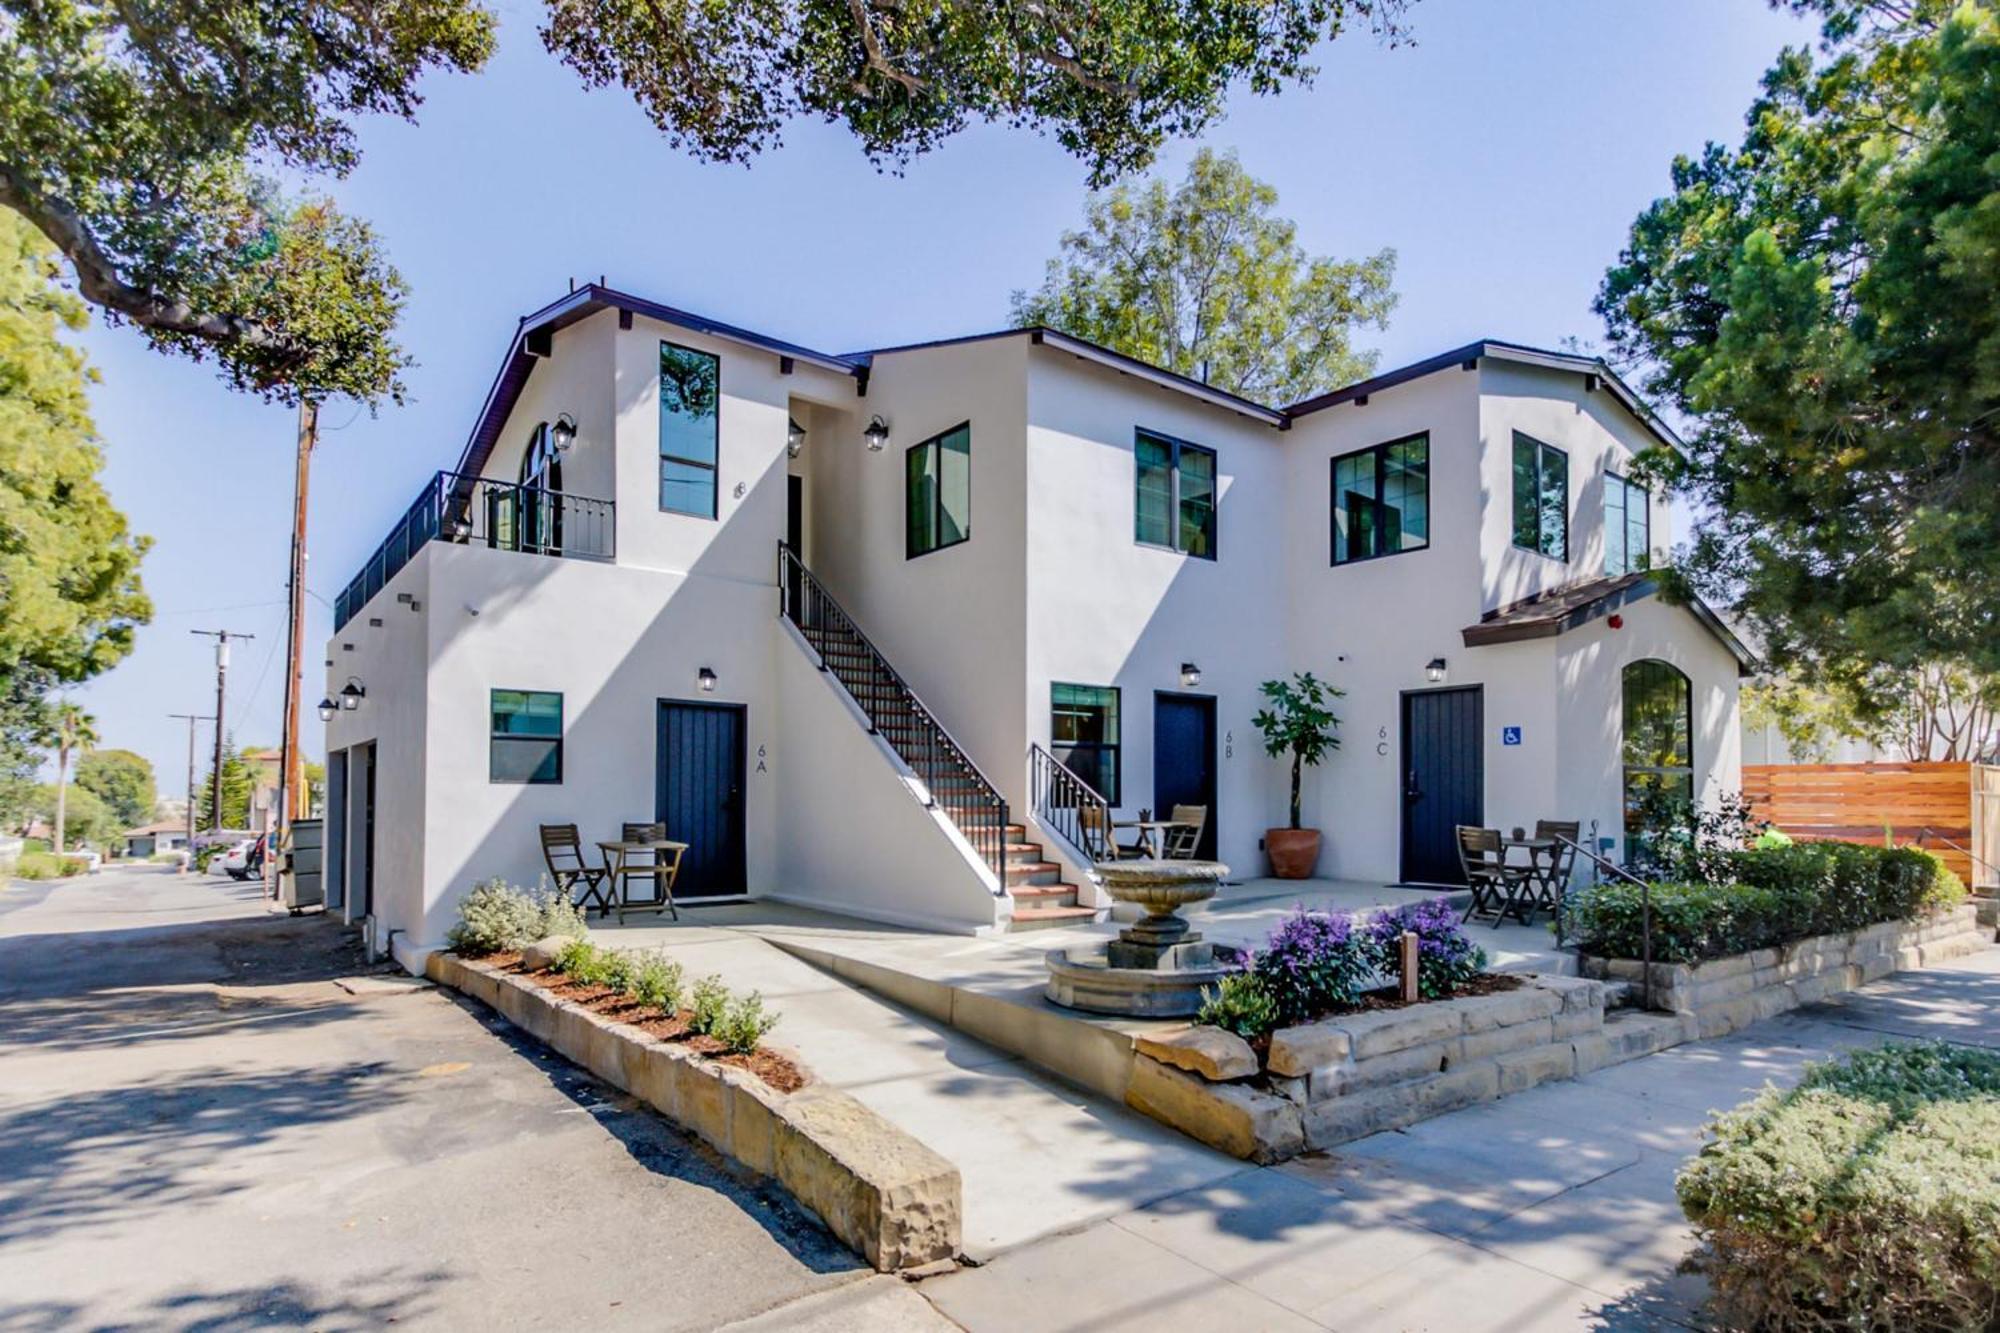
{"points": [[1174, 499], [1382, 500], [690, 388], [1628, 535], [1083, 734], [937, 492], [1541, 497]]}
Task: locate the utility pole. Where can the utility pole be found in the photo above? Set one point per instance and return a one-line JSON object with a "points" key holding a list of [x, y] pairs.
{"points": [[292, 766], [222, 638], [192, 718]]}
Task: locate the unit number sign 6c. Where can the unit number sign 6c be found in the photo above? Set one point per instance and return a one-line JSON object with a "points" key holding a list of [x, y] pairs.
{"points": [[1382, 740]]}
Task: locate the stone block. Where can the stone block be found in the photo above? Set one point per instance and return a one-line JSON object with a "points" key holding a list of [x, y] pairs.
{"points": [[1483, 1013], [1504, 1041], [1379, 1071], [1763, 960], [1719, 1020], [1874, 969], [1383, 1030], [1709, 991], [1236, 1119], [1808, 990], [655, 1079], [1216, 1055], [1573, 1023], [755, 1109], [543, 953], [1297, 1052], [1577, 993], [1719, 969], [1774, 1000], [1522, 1070], [705, 1103], [1344, 1119], [1908, 957], [882, 1192], [1291, 1089]]}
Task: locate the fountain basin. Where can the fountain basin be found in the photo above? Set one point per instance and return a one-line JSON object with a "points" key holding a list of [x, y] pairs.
{"points": [[1158, 966]]}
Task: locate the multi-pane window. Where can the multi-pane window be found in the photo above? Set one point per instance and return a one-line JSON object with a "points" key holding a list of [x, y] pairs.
{"points": [[1174, 503], [526, 742], [1083, 734], [1628, 531], [690, 387], [1382, 500], [1658, 753], [937, 492], [1541, 497]]}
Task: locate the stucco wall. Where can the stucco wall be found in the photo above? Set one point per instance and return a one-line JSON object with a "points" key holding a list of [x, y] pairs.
{"points": [[574, 378]]}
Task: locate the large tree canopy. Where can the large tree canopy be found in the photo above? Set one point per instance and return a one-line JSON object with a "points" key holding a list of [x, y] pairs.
{"points": [[123, 781], [1204, 280], [1111, 79], [143, 139], [1823, 301]]}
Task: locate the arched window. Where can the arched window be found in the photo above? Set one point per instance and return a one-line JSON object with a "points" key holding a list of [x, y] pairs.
{"points": [[538, 501], [1659, 750]]}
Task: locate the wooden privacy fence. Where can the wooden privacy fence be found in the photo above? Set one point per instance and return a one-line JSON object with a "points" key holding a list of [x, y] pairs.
{"points": [[1951, 808]]}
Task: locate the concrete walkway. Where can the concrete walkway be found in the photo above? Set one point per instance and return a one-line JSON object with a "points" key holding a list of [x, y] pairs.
{"points": [[1552, 1209]]}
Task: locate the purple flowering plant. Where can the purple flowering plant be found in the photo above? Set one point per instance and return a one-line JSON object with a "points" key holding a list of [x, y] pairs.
{"points": [[1446, 958], [1315, 963]]}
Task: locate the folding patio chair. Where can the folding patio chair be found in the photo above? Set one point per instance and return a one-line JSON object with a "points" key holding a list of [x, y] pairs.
{"points": [[1184, 840], [1099, 838], [562, 853], [1552, 879], [1496, 886]]}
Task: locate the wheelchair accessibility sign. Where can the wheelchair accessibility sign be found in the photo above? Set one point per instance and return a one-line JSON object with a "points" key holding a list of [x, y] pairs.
{"points": [[1510, 735]]}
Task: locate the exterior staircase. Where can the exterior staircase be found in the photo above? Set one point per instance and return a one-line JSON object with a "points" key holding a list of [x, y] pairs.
{"points": [[952, 782]]}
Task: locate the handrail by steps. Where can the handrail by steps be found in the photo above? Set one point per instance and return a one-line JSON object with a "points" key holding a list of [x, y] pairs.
{"points": [[1059, 796], [1645, 912], [951, 780]]}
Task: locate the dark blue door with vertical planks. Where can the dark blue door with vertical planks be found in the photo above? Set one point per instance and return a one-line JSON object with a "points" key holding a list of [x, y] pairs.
{"points": [[1444, 779], [1184, 759], [699, 793]]}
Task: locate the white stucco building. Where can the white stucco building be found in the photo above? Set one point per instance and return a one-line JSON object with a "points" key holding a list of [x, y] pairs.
{"points": [[1008, 548]]}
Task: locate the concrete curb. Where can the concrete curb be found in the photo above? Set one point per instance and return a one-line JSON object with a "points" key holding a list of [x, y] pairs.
{"points": [[885, 1194]]}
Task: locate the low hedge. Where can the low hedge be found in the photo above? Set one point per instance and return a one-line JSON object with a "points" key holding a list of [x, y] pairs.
{"points": [[47, 865], [1774, 895], [1868, 1197]]}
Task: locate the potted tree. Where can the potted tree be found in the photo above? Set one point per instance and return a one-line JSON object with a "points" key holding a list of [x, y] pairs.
{"points": [[1299, 723]]}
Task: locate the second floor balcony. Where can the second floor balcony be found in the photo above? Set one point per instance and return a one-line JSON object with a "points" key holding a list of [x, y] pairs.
{"points": [[476, 511]]}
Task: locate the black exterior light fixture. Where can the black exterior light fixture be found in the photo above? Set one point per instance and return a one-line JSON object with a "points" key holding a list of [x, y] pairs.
{"points": [[327, 708], [877, 434], [706, 679], [1434, 671], [352, 693], [1190, 675], [795, 437], [563, 434]]}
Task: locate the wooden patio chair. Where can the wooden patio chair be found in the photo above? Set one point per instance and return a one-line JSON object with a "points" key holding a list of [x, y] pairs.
{"points": [[1496, 886], [663, 867], [1184, 841], [1552, 883], [562, 853], [1099, 838]]}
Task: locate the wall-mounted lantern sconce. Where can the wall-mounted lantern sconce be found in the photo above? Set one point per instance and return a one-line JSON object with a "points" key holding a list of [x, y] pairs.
{"points": [[352, 693], [706, 679], [877, 434], [563, 434], [327, 708], [1190, 675], [1434, 671], [795, 437]]}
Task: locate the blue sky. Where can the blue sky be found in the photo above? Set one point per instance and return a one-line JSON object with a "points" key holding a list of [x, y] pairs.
{"points": [[1503, 155]]}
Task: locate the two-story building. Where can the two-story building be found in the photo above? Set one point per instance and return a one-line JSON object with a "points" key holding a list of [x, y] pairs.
{"points": [[866, 630]]}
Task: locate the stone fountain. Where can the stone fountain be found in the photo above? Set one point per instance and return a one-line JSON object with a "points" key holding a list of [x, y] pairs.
{"points": [[1158, 966]]}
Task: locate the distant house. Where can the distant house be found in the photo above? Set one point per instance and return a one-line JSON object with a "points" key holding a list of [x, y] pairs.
{"points": [[867, 629], [166, 835]]}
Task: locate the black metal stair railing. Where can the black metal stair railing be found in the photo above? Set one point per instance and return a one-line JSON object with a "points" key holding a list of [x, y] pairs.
{"points": [[1066, 805], [955, 784]]}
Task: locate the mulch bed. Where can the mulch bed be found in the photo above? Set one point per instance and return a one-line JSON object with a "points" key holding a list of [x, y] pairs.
{"points": [[1486, 983], [776, 1069]]}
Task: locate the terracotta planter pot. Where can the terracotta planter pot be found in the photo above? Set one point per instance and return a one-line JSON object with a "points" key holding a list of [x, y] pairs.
{"points": [[1293, 851]]}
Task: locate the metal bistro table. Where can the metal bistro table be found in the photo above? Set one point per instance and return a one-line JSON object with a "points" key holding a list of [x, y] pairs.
{"points": [[665, 871], [1544, 856], [1153, 833]]}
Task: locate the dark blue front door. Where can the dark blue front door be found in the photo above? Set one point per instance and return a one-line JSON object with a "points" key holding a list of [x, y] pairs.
{"points": [[1444, 780], [700, 793], [1184, 759]]}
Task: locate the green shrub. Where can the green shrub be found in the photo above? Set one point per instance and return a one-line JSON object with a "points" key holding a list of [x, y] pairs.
{"points": [[560, 917], [706, 1008], [496, 917], [585, 963], [1769, 896], [656, 981], [1868, 1197], [743, 1023], [618, 971], [1242, 1003], [47, 865]]}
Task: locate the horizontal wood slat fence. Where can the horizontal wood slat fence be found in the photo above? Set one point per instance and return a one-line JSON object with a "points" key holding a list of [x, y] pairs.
{"points": [[1930, 804]]}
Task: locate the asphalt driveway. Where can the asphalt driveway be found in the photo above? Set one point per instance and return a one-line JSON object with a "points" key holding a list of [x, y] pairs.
{"points": [[201, 1129]]}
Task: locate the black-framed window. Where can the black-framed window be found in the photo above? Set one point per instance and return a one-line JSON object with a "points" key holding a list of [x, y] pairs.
{"points": [[1541, 497], [690, 393], [526, 743], [937, 492], [1628, 525], [1381, 500], [1174, 494], [1083, 734], [1658, 751]]}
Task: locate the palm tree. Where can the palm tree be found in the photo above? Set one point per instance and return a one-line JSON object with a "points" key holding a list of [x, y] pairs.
{"points": [[74, 730]]}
